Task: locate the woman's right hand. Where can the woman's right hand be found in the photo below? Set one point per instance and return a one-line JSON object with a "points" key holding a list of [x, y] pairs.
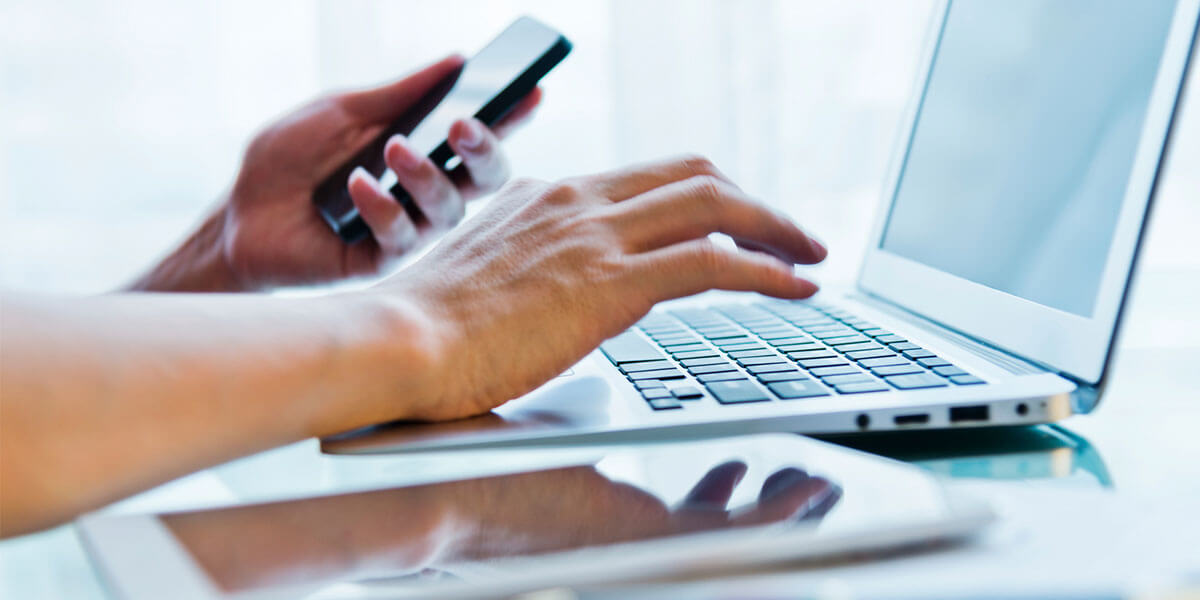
{"points": [[548, 271]]}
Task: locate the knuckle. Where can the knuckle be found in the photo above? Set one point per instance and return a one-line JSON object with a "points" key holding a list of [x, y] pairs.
{"points": [[710, 260], [710, 190], [698, 164], [567, 191]]}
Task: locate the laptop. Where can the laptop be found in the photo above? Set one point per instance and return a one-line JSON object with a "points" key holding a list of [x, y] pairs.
{"points": [[995, 278]]}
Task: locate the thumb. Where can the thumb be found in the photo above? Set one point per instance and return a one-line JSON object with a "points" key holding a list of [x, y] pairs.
{"points": [[388, 101]]}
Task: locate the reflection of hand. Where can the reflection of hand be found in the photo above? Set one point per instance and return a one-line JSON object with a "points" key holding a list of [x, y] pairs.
{"points": [[569, 508], [546, 272], [267, 231], [407, 529]]}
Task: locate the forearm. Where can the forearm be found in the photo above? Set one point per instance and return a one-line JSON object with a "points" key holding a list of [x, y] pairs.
{"points": [[105, 396], [197, 265]]}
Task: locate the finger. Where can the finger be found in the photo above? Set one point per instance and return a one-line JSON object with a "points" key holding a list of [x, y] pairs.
{"points": [[388, 101], [780, 480], [389, 224], [819, 506], [638, 179], [794, 494], [715, 488], [519, 114], [430, 188], [700, 265], [695, 207], [486, 166]]}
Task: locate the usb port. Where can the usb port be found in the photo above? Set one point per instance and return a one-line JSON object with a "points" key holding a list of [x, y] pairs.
{"points": [[916, 419], [958, 414]]}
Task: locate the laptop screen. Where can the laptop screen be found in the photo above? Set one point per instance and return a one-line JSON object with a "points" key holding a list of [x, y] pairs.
{"points": [[1025, 141]]}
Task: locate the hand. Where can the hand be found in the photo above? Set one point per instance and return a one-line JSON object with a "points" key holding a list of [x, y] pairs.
{"points": [[267, 231], [548, 271]]}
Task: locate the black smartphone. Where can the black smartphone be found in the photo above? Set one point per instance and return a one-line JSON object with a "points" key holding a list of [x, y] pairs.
{"points": [[487, 87]]}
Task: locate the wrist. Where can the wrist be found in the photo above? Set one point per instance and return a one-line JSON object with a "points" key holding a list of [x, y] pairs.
{"points": [[393, 369], [197, 265]]}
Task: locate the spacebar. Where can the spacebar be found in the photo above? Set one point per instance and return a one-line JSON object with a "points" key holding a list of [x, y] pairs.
{"points": [[629, 347]]}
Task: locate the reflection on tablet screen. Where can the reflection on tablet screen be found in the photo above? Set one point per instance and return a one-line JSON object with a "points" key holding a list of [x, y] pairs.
{"points": [[480, 527]]}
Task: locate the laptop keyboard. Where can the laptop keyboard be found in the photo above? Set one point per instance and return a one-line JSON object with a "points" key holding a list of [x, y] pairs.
{"points": [[745, 353]]}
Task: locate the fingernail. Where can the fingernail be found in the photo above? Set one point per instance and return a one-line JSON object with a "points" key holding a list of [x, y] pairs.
{"points": [[404, 154], [472, 135]]}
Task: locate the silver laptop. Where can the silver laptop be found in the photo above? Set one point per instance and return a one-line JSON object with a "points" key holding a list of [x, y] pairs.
{"points": [[995, 277]]}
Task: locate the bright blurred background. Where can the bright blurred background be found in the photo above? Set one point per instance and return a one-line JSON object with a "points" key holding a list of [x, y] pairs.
{"points": [[122, 121]]}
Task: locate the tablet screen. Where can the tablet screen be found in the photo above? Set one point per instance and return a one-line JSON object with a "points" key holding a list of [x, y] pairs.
{"points": [[620, 502]]}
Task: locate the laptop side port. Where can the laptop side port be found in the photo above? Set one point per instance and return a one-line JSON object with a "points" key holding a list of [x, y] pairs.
{"points": [[959, 414], [917, 419]]}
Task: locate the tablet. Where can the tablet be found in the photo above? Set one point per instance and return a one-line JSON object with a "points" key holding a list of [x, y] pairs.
{"points": [[636, 513]]}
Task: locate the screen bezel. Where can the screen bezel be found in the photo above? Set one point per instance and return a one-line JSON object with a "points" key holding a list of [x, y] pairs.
{"points": [[1074, 345]]}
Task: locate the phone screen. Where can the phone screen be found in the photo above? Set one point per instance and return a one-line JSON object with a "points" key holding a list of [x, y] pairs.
{"points": [[487, 87]]}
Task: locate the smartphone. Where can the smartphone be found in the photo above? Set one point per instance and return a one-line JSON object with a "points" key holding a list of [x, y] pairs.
{"points": [[487, 87]]}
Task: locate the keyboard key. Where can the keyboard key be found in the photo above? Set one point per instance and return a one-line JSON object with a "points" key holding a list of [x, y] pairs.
{"points": [[871, 363], [789, 341], [649, 384], [780, 334], [915, 381], [649, 365], [722, 368], [680, 341], [734, 341], [934, 361], [902, 346], [699, 362], [760, 360], [890, 338], [897, 370], [664, 404], [668, 329], [741, 347], [830, 371], [769, 368], [751, 353], [736, 392], [630, 347], [654, 393], [848, 340], [659, 334], [721, 334], [801, 347], [674, 350], [918, 353], [697, 354], [832, 333], [789, 390], [860, 347], [861, 354], [861, 388], [812, 354], [876, 332], [837, 380], [710, 377], [949, 371], [781, 376], [859, 324], [656, 374], [687, 392], [966, 380], [813, 363]]}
